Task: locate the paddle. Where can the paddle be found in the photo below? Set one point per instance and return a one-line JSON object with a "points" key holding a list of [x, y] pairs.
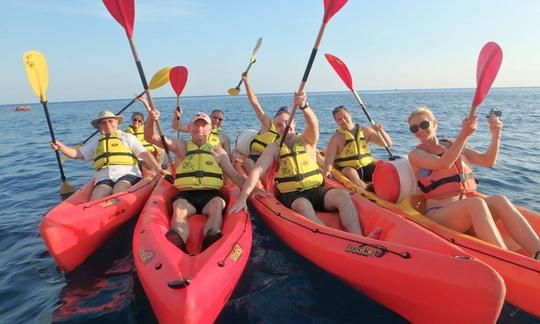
{"points": [[343, 72], [489, 61], [331, 7], [236, 90], [178, 78], [38, 75], [123, 11], [159, 79]]}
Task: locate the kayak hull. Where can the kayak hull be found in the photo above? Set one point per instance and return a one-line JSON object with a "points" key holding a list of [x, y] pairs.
{"points": [[203, 281], [77, 227]]}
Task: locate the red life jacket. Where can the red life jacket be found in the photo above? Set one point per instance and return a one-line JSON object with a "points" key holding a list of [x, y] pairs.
{"points": [[442, 183]]}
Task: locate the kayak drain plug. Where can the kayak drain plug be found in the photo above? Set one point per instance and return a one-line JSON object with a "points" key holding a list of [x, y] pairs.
{"points": [[180, 283]]}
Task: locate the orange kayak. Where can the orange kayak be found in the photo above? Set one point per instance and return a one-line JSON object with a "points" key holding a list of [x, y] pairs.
{"points": [[77, 227], [408, 269], [520, 272], [194, 287]]}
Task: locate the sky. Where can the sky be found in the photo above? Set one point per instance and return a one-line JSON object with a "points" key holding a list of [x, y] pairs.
{"points": [[391, 44]]}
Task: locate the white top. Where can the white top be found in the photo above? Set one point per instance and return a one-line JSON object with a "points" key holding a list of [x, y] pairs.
{"points": [[114, 172]]}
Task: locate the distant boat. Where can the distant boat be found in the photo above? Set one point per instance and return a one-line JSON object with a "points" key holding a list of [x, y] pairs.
{"points": [[22, 108]]}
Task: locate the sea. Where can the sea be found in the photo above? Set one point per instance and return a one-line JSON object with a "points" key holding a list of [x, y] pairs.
{"points": [[278, 285]]}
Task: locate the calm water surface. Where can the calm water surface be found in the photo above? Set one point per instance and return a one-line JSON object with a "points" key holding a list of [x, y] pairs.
{"points": [[278, 285]]}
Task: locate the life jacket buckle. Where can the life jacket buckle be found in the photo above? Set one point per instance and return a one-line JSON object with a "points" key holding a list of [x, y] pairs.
{"points": [[199, 174]]}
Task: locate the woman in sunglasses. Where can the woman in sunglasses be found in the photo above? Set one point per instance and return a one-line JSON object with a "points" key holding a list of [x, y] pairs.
{"points": [[443, 171]]}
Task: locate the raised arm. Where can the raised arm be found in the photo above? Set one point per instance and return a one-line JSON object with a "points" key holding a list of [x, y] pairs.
{"points": [[311, 132], [177, 123], [150, 133], [422, 159], [489, 158], [261, 115], [376, 134]]}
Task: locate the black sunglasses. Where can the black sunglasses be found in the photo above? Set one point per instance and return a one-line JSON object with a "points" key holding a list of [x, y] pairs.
{"points": [[423, 125], [137, 120], [215, 117]]}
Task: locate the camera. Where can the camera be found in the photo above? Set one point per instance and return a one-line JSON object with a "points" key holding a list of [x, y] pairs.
{"points": [[494, 113]]}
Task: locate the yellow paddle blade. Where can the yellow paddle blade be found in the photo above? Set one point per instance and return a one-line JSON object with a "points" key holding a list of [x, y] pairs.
{"points": [[36, 69], [66, 189], [160, 78], [233, 91]]}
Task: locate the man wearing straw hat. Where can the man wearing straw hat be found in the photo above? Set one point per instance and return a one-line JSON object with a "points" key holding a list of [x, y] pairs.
{"points": [[115, 155]]}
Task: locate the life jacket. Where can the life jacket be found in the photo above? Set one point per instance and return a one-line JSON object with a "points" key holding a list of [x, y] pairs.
{"points": [[442, 183], [296, 171], [355, 153], [139, 133], [111, 151], [199, 169], [262, 140], [213, 137]]}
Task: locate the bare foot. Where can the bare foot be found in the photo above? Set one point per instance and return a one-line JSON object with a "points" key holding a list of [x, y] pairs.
{"points": [[375, 234]]}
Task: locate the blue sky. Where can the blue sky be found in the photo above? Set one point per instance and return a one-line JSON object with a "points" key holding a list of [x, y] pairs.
{"points": [[386, 44]]}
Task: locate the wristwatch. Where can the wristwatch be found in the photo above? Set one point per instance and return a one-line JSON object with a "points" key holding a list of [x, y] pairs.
{"points": [[304, 107]]}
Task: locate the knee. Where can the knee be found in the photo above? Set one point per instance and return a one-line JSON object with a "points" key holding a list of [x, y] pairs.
{"points": [[500, 200], [216, 204], [301, 206], [342, 196], [180, 204]]}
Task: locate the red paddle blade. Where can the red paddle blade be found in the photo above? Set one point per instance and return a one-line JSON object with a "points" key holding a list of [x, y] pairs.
{"points": [[489, 61], [178, 78], [124, 12], [331, 7], [341, 69]]}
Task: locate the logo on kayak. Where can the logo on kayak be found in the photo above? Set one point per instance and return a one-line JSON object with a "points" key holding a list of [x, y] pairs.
{"points": [[146, 256], [236, 253], [110, 202], [365, 250]]}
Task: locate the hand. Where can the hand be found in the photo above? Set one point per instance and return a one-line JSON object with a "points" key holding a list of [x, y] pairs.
{"points": [[244, 77], [327, 172], [495, 125], [238, 206], [153, 115], [378, 127], [257, 192], [143, 100], [178, 112], [300, 99], [469, 125], [55, 145]]}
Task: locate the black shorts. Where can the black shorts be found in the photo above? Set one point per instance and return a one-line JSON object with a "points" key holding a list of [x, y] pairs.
{"points": [[366, 172], [254, 157], [128, 177], [315, 196], [198, 198]]}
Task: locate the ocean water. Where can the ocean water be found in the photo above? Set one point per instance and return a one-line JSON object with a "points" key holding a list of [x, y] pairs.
{"points": [[278, 285]]}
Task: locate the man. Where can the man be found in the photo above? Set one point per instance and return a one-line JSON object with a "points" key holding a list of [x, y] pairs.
{"points": [[348, 149], [115, 155], [200, 170], [216, 137], [299, 181]]}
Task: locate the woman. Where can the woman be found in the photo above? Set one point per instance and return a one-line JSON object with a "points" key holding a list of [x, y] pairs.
{"points": [[442, 168]]}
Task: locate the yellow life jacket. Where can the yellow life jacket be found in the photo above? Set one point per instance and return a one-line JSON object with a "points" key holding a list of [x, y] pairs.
{"points": [[111, 151], [213, 137], [262, 140], [355, 153], [199, 169], [297, 172], [139, 133]]}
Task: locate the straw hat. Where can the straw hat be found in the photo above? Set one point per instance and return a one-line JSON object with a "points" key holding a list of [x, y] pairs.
{"points": [[106, 114]]}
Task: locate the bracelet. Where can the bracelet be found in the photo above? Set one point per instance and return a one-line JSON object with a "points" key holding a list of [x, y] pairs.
{"points": [[304, 107]]}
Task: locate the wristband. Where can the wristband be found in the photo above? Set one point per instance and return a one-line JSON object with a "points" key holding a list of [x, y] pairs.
{"points": [[304, 107]]}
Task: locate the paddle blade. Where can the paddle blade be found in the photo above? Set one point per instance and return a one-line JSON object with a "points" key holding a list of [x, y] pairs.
{"points": [[259, 43], [66, 190], [489, 61], [124, 12], [178, 77], [331, 7], [233, 91], [341, 69], [160, 78], [37, 72]]}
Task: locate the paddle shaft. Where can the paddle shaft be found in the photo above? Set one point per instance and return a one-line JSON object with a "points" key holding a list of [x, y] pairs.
{"points": [[361, 104], [304, 79], [62, 176], [150, 102], [253, 60], [178, 117]]}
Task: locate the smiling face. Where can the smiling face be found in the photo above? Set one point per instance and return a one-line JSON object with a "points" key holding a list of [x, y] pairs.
{"points": [[217, 117], [199, 131], [343, 119], [136, 120], [423, 127], [108, 125]]}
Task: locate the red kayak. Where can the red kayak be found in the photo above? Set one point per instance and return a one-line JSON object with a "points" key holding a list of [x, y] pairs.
{"points": [[77, 227], [189, 288], [408, 269]]}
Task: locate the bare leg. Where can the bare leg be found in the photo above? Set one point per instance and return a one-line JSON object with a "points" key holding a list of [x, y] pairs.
{"points": [[214, 210], [248, 164], [352, 175], [341, 200], [101, 191], [514, 221], [460, 215], [304, 207], [122, 185], [181, 210]]}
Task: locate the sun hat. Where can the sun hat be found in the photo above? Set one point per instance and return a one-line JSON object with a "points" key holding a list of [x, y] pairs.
{"points": [[200, 115], [106, 114]]}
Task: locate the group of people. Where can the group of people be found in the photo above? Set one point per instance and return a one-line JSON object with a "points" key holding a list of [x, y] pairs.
{"points": [[442, 168]]}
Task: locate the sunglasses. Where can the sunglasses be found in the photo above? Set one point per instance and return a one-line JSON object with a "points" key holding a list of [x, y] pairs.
{"points": [[137, 120], [422, 125], [215, 117]]}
